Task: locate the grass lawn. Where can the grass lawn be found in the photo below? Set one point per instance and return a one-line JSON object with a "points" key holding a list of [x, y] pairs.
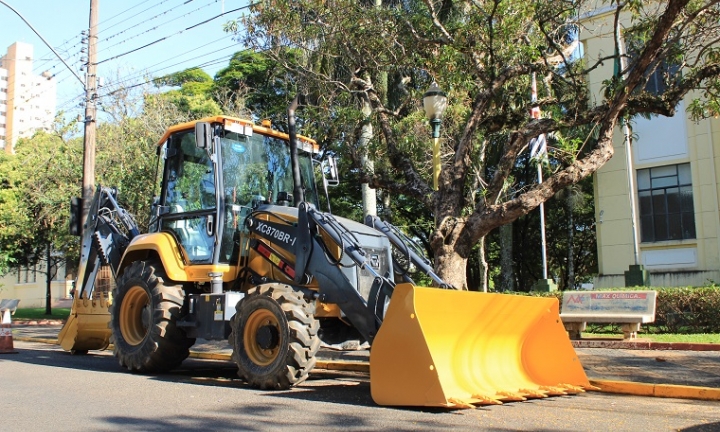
{"points": [[39, 313]]}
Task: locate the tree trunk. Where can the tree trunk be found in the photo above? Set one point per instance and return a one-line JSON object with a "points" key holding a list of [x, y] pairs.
{"points": [[369, 197], [507, 270], [483, 265], [48, 287], [569, 206], [451, 266]]}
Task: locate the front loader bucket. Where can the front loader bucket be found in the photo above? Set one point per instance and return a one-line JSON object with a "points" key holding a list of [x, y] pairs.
{"points": [[87, 326], [449, 348]]}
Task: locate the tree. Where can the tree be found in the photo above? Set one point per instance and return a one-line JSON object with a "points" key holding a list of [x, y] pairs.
{"points": [[192, 97], [263, 86], [483, 53]]}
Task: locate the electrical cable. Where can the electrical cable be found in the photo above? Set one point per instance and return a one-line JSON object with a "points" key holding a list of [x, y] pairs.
{"points": [[153, 28], [172, 35]]}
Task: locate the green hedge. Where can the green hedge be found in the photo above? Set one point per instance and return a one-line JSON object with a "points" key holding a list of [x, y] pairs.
{"points": [[688, 310]]}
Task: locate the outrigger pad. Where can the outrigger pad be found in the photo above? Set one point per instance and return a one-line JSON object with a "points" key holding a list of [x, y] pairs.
{"points": [[457, 349]]}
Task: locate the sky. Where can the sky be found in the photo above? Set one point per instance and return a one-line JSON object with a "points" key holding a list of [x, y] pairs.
{"points": [[176, 29]]}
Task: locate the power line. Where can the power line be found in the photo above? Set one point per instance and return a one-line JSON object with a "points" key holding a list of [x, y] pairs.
{"points": [[120, 13], [153, 28], [208, 63], [40, 36], [39, 66], [139, 13], [132, 77], [155, 71], [174, 34]]}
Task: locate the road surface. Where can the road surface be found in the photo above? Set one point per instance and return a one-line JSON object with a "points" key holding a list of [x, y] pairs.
{"points": [[44, 388]]}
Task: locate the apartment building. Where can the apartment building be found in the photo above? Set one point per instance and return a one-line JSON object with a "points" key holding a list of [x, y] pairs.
{"points": [[3, 104], [27, 99]]}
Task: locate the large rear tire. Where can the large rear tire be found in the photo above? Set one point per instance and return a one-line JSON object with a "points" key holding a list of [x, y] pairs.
{"points": [[274, 337], [145, 310]]}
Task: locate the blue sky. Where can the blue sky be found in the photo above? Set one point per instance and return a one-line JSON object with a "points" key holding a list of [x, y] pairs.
{"points": [[123, 26]]}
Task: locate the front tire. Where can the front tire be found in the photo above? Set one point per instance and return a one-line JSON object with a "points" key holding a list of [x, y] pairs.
{"points": [[145, 310], [274, 337]]}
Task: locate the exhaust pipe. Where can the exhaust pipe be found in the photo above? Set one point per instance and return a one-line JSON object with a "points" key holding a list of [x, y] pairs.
{"points": [[298, 193]]}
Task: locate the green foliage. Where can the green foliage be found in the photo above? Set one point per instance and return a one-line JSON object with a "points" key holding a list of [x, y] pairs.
{"points": [[34, 202], [687, 310], [182, 78], [189, 101]]}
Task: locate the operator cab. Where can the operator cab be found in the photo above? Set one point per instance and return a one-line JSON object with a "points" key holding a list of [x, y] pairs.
{"points": [[250, 164]]}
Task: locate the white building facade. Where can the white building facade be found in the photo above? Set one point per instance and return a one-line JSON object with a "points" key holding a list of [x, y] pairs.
{"points": [[27, 100], [675, 179]]}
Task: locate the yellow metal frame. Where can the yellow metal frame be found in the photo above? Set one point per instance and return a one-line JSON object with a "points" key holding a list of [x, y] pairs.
{"points": [[227, 119], [169, 251]]}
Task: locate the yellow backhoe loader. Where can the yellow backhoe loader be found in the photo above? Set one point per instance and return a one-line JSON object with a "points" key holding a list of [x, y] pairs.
{"points": [[237, 249]]}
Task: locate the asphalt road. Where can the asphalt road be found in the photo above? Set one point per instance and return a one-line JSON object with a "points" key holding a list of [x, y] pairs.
{"points": [[44, 388]]}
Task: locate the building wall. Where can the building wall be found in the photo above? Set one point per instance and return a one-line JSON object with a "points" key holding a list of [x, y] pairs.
{"points": [[30, 99], [30, 287], [3, 105], [657, 142]]}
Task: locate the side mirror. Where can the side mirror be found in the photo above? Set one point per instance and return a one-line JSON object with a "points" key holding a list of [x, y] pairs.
{"points": [[330, 171], [203, 135]]}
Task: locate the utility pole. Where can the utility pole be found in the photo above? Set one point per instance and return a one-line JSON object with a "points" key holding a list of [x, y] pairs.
{"points": [[88, 179]]}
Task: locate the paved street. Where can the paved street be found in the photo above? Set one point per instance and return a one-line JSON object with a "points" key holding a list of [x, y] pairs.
{"points": [[44, 388]]}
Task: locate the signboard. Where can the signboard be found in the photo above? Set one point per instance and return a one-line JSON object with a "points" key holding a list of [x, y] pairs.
{"points": [[639, 302]]}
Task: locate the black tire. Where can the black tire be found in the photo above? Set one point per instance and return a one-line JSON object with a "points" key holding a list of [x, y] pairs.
{"points": [[145, 310], [274, 337]]}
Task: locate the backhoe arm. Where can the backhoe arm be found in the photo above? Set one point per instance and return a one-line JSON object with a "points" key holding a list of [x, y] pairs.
{"points": [[107, 232]]}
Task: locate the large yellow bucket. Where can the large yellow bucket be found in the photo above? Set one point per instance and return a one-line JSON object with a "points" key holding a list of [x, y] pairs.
{"points": [[449, 348], [87, 326]]}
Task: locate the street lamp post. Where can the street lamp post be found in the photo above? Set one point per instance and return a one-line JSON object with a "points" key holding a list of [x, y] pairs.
{"points": [[435, 102]]}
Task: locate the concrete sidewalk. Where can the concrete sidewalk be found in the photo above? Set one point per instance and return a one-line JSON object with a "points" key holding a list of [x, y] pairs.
{"points": [[669, 372]]}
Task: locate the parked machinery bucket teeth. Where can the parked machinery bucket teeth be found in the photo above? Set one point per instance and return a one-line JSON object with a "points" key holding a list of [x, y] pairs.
{"points": [[439, 347]]}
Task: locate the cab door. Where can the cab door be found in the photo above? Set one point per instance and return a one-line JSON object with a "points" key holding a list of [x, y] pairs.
{"points": [[189, 197]]}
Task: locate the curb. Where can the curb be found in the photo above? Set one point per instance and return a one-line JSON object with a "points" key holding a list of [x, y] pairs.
{"points": [[37, 322], [657, 390], [603, 386], [34, 339], [644, 345]]}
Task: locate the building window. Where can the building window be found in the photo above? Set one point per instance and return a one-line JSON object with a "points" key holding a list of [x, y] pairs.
{"points": [[666, 203], [663, 74]]}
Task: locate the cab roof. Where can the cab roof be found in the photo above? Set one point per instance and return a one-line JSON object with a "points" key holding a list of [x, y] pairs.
{"points": [[225, 120]]}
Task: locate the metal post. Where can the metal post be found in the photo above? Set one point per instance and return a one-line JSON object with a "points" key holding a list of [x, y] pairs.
{"points": [[436, 150], [536, 114], [628, 153], [542, 226]]}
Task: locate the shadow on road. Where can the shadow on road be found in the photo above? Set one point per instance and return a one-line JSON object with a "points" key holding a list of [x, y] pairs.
{"points": [[348, 388]]}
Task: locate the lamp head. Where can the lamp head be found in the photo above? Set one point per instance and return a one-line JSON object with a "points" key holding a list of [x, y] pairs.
{"points": [[434, 102]]}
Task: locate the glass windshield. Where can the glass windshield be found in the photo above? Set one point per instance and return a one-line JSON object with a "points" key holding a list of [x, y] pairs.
{"points": [[257, 168]]}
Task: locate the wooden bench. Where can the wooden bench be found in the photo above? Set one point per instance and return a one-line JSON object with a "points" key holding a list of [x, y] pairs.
{"points": [[629, 308]]}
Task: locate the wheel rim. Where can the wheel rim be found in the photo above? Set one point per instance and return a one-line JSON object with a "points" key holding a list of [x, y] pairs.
{"points": [[262, 337], [135, 315]]}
